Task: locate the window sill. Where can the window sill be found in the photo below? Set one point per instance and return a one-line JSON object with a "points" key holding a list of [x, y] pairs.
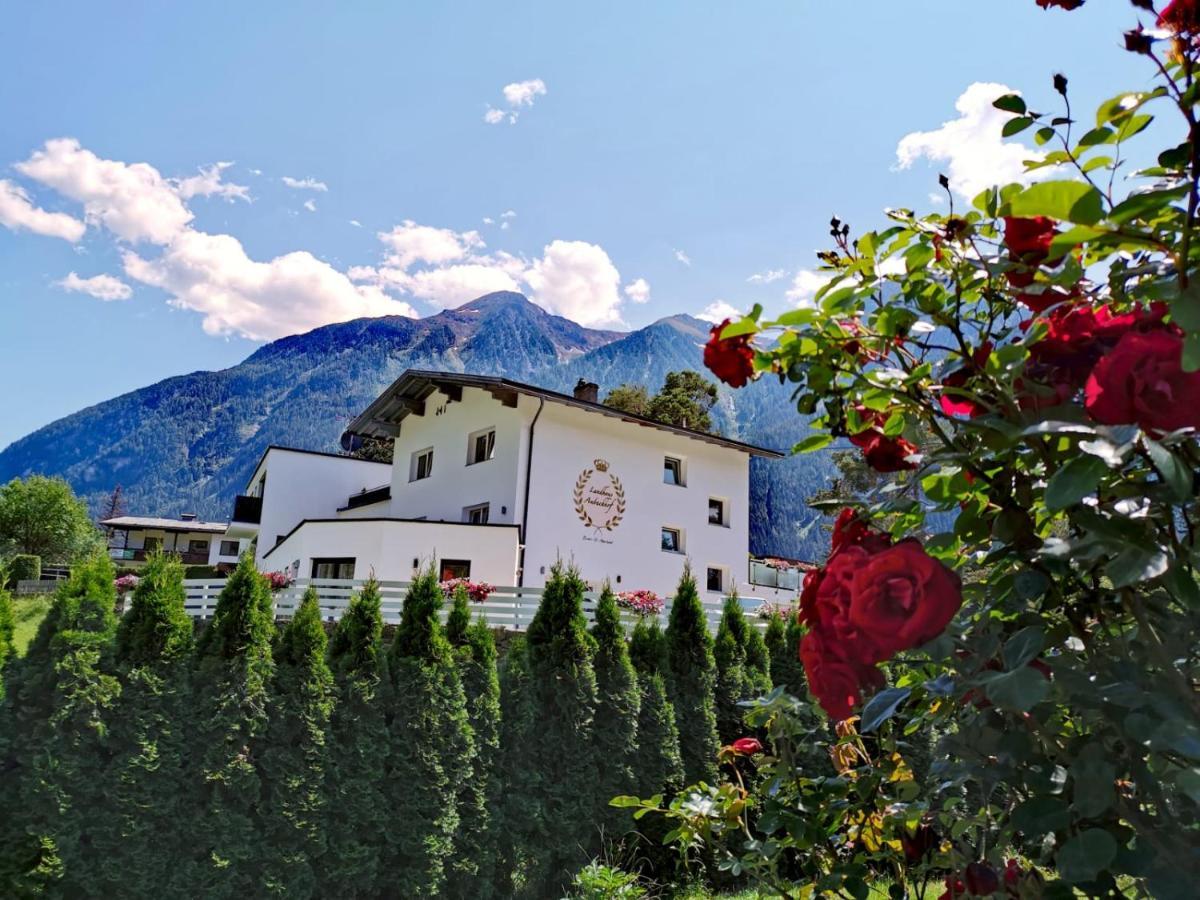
{"points": [[719, 524], [674, 484], [480, 462], [674, 552]]}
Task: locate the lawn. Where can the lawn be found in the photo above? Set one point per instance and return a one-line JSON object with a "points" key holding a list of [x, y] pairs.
{"points": [[28, 613]]}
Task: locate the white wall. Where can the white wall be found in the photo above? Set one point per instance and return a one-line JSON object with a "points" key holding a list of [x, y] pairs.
{"points": [[454, 485], [169, 541], [309, 486], [389, 547], [216, 557]]}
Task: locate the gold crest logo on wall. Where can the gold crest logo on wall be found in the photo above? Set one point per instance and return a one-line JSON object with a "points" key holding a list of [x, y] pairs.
{"points": [[599, 497]]}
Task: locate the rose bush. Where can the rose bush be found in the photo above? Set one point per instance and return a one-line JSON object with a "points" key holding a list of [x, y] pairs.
{"points": [[1014, 615]]}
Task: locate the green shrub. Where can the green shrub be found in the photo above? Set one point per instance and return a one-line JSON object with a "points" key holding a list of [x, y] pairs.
{"points": [[600, 882], [22, 567], [618, 705], [8, 649], [691, 682], [660, 764], [202, 572]]}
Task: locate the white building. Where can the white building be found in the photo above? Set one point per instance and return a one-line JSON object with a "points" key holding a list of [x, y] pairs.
{"points": [[495, 480], [133, 538]]}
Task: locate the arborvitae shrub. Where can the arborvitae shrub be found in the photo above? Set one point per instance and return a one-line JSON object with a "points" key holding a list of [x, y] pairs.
{"points": [[758, 663], [783, 645], [358, 818], [296, 755], [521, 799], [8, 650], [618, 705], [233, 677], [733, 686], [659, 763], [558, 751], [691, 682], [432, 746], [141, 841], [472, 867], [459, 618]]}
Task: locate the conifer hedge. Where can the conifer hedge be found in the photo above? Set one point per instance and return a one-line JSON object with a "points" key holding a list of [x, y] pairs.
{"points": [[692, 681]]}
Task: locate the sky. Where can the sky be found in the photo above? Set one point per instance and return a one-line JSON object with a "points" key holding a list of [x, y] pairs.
{"points": [[180, 183]]}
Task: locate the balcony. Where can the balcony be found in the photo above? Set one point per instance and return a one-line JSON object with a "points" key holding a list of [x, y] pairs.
{"points": [[131, 555], [247, 514]]}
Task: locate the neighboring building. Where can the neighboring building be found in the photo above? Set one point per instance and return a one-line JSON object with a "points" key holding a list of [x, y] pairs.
{"points": [[495, 480], [133, 538]]}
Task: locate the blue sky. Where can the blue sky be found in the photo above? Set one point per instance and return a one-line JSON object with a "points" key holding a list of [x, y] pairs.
{"points": [[662, 155]]}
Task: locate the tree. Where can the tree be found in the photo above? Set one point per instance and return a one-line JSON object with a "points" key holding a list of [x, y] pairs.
{"points": [[43, 517], [521, 800], [733, 684], [140, 843], [617, 708], [783, 646], [233, 676], [473, 866], [562, 787], [630, 398], [375, 449], [113, 507], [358, 819], [296, 758], [684, 400], [660, 764], [432, 746], [8, 650], [691, 681]]}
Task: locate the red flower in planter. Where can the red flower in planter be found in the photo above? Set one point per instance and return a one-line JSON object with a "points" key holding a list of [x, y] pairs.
{"points": [[902, 597], [1142, 381], [730, 359], [746, 746], [1181, 16]]}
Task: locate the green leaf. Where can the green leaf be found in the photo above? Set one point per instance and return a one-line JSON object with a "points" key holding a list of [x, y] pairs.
{"points": [[1086, 855], [1145, 204], [1023, 647], [1044, 135], [813, 442], [1135, 564], [1068, 201], [1015, 126], [1030, 583], [745, 325], [1074, 481], [1018, 691], [1064, 243], [793, 317], [1191, 352], [1097, 136], [882, 707], [1039, 815], [1181, 584], [1176, 474], [1093, 776], [1010, 103]]}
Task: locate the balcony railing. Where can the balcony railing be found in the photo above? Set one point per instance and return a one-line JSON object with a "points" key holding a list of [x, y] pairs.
{"points": [[130, 554], [247, 509]]}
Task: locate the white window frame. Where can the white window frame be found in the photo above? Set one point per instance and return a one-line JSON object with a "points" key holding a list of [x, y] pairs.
{"points": [[680, 471], [485, 508], [473, 439], [679, 539], [414, 472]]}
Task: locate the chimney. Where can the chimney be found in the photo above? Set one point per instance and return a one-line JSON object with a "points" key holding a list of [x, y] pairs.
{"points": [[187, 517], [587, 391]]}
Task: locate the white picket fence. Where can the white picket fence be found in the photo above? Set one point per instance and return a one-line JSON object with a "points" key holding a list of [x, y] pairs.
{"points": [[507, 607]]}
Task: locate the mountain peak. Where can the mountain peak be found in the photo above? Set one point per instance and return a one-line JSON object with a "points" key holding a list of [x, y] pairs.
{"points": [[498, 300]]}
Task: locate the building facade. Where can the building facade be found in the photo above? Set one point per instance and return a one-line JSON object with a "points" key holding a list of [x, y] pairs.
{"points": [[496, 480], [131, 540]]}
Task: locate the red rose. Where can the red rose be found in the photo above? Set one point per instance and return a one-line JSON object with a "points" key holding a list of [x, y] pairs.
{"points": [[852, 531], [746, 746], [1181, 16], [835, 681], [981, 879], [916, 844], [808, 595], [903, 597], [834, 596], [1142, 381], [1012, 876], [953, 404], [954, 885], [1029, 239], [730, 359], [886, 454], [1060, 4]]}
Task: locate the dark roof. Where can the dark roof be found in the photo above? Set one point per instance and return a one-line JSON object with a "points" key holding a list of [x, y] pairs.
{"points": [[410, 390], [304, 522]]}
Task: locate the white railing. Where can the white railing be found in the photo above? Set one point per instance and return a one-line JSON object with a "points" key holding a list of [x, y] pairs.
{"points": [[507, 607]]}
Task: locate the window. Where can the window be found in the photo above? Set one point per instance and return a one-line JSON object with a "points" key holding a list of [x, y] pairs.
{"points": [[196, 546], [716, 511], [229, 548], [481, 446], [672, 540], [672, 471], [476, 515], [715, 579], [151, 544], [455, 568], [339, 567], [422, 465]]}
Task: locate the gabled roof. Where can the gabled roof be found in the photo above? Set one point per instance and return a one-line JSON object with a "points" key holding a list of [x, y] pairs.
{"points": [[156, 523], [407, 394]]}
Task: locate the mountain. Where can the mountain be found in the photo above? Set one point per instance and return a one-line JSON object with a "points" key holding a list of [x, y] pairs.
{"points": [[190, 442]]}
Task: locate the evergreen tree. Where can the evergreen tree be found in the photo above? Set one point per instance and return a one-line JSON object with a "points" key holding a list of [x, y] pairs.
{"points": [[660, 765], [783, 645], [358, 816], [521, 800], [758, 663], [558, 752], [141, 842], [233, 676], [55, 744], [432, 746], [297, 754], [691, 682], [742, 669], [8, 650], [617, 709], [472, 867], [459, 618]]}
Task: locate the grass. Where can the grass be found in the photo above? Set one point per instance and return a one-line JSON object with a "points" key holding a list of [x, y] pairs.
{"points": [[28, 613]]}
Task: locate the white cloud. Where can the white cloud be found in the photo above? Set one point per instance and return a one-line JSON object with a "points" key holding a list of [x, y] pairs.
{"points": [[683, 257], [211, 274], [937, 199], [310, 205], [102, 287], [767, 277], [638, 290], [488, 220], [356, 223], [411, 243], [805, 285], [975, 155], [718, 311], [305, 184], [508, 214], [577, 280], [18, 212], [518, 95], [133, 201], [209, 184]]}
